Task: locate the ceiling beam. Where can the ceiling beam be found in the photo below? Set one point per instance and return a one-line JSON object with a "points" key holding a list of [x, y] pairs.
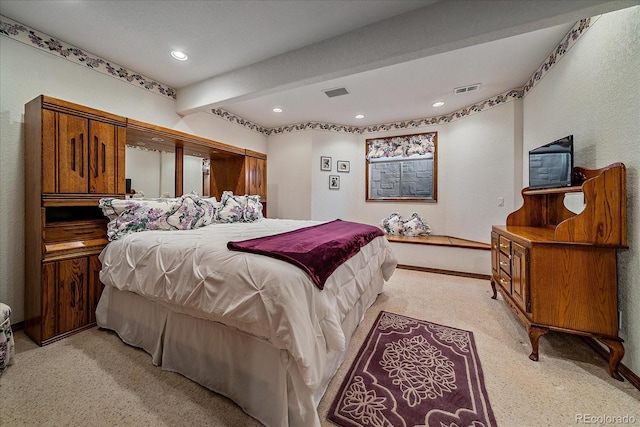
{"points": [[439, 27]]}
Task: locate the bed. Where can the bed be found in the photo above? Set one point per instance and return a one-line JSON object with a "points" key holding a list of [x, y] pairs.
{"points": [[250, 327]]}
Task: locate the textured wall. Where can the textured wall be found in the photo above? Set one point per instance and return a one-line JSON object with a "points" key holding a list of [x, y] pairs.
{"points": [[593, 92]]}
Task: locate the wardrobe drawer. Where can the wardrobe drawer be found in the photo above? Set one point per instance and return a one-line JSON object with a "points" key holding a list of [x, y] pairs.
{"points": [[505, 245], [75, 230], [505, 281]]}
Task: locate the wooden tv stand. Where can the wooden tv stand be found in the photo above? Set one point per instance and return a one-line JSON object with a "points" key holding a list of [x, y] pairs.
{"points": [[556, 270]]}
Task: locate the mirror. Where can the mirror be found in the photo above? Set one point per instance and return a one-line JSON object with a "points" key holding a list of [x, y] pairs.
{"points": [[574, 202], [192, 175], [151, 172]]}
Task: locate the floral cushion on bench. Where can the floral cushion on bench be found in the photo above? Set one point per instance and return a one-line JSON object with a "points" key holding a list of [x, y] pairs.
{"points": [[415, 226], [392, 224]]}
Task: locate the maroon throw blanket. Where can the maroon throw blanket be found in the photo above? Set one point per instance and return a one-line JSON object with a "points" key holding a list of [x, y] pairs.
{"points": [[318, 249]]}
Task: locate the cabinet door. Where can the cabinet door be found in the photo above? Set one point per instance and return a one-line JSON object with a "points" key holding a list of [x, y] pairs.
{"points": [[72, 149], [256, 176], [72, 299], [519, 277], [102, 158]]}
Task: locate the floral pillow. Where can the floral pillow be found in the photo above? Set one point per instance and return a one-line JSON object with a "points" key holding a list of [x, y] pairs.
{"points": [[111, 207], [191, 211], [235, 208], [133, 215], [129, 216], [253, 211], [415, 226], [392, 224], [231, 208]]}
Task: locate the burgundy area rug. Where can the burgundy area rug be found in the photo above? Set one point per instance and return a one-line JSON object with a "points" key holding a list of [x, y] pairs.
{"points": [[410, 372]]}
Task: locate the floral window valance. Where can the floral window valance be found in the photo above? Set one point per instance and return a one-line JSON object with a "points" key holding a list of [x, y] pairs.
{"points": [[401, 146]]}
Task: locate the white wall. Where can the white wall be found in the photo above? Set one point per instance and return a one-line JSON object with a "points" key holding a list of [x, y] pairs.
{"points": [[475, 167], [344, 203], [593, 92], [25, 73], [289, 166], [475, 170]]}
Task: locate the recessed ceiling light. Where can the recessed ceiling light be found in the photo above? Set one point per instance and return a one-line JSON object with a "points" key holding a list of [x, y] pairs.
{"points": [[277, 110], [179, 55], [157, 139], [360, 116], [437, 104]]}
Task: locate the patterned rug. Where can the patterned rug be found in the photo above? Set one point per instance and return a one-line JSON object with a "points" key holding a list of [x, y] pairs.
{"points": [[410, 372]]}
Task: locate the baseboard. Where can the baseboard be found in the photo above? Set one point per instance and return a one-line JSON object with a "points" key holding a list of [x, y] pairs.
{"points": [[18, 326], [604, 353], [447, 272]]}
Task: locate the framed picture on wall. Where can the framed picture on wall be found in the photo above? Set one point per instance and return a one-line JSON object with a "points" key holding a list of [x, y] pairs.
{"points": [[343, 166], [325, 163], [334, 182]]}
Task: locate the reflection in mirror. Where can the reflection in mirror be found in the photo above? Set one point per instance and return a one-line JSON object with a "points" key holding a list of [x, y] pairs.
{"points": [[574, 202], [192, 175], [151, 172]]}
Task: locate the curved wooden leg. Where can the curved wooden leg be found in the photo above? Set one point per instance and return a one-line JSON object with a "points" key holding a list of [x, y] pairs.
{"points": [[616, 352], [493, 288], [535, 332]]}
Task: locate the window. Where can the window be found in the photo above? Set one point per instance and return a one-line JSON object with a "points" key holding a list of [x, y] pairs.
{"points": [[402, 168]]}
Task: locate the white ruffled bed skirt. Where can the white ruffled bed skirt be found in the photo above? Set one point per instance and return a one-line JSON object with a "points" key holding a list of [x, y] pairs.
{"points": [[262, 379]]}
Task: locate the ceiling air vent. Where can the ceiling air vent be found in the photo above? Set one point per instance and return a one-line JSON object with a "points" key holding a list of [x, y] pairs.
{"points": [[332, 93], [469, 88]]}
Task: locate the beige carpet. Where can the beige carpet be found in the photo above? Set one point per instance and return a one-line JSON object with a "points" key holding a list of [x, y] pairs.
{"points": [[93, 379]]}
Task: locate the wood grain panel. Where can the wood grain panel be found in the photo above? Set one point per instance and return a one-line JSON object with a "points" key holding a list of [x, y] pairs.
{"points": [[576, 288], [102, 158], [72, 154], [519, 276], [603, 221], [49, 156], [47, 327], [72, 298]]}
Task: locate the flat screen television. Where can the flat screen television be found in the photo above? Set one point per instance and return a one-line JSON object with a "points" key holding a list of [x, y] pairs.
{"points": [[551, 165]]}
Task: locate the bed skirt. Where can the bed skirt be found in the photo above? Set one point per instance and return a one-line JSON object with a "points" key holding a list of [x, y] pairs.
{"points": [[262, 379]]}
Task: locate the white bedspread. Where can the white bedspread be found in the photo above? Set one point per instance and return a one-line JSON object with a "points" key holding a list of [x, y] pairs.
{"points": [[193, 272]]}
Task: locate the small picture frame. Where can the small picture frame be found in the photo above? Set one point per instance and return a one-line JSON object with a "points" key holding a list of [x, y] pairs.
{"points": [[325, 163], [343, 166], [334, 182]]}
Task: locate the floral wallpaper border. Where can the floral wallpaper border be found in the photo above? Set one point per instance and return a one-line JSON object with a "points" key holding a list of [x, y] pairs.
{"points": [[407, 124], [44, 42], [31, 37], [567, 42]]}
